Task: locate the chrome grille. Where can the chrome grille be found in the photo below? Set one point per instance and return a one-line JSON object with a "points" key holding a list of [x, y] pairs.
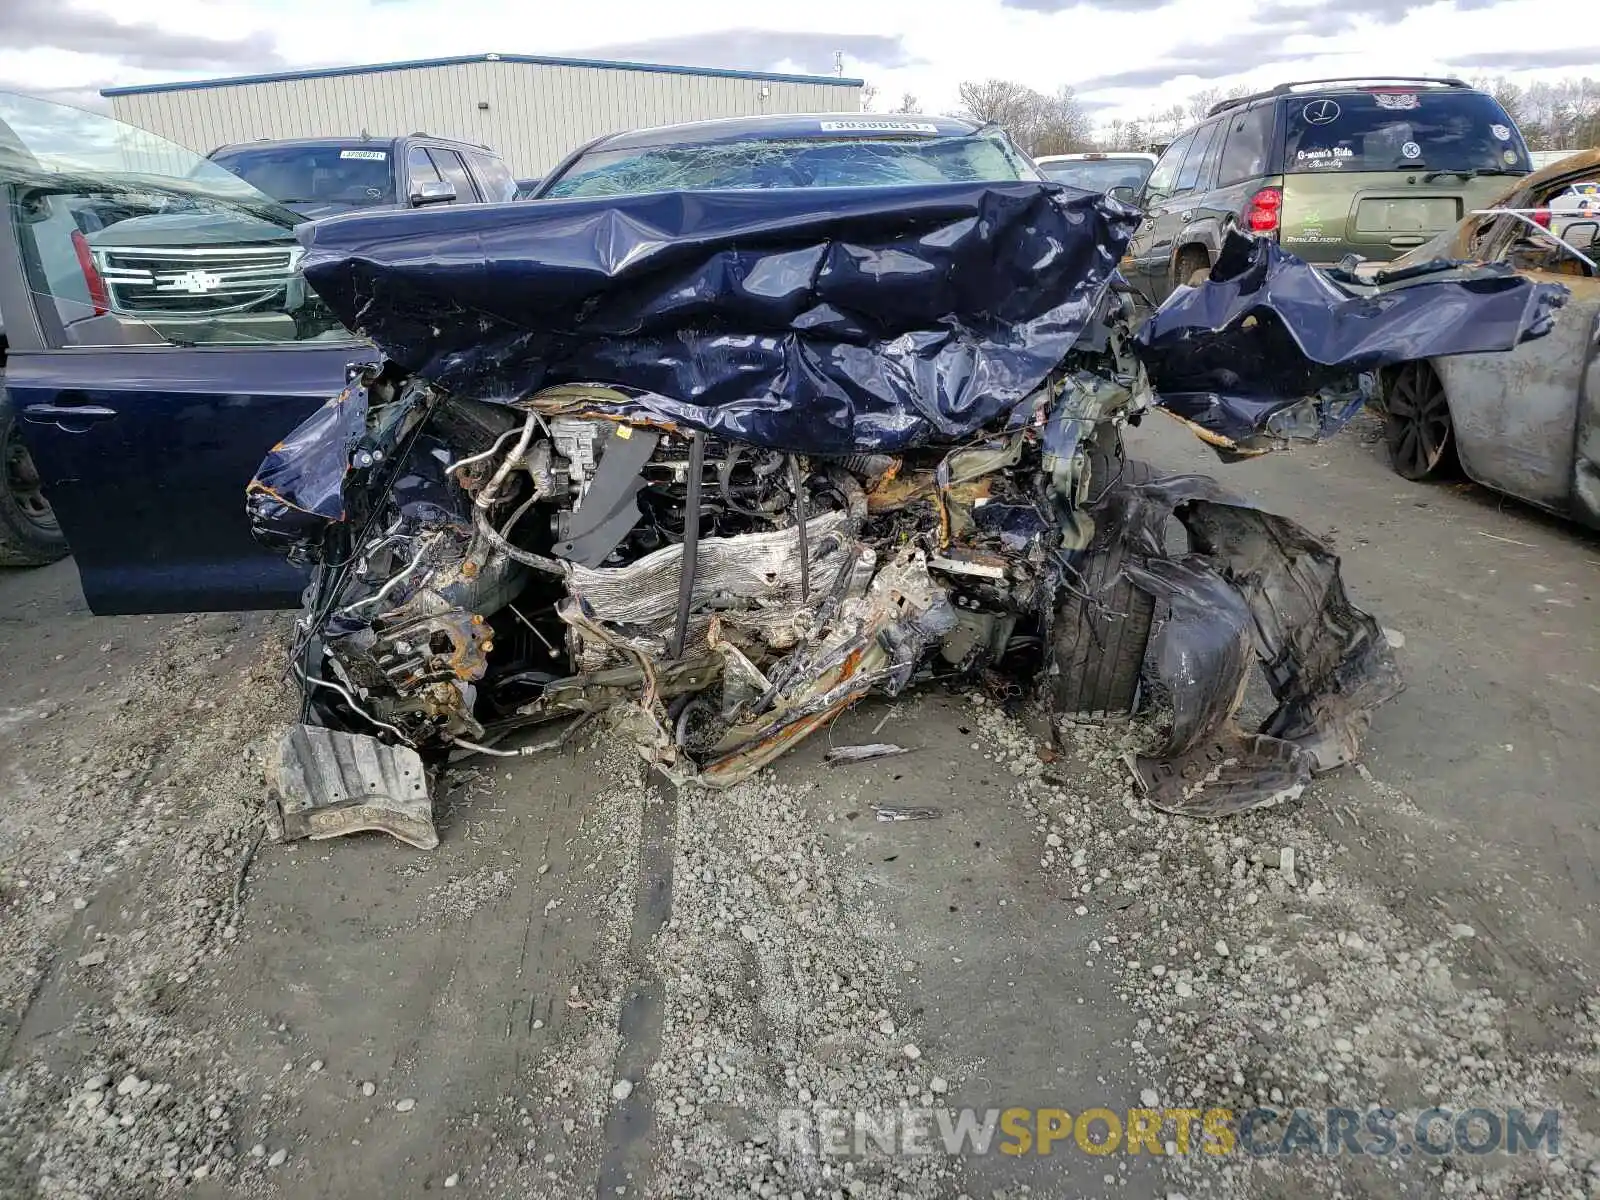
{"points": [[166, 281]]}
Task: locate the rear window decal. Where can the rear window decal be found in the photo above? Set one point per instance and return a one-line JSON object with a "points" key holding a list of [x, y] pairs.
{"points": [[1411, 150], [878, 127], [1321, 112], [1332, 156], [365, 155], [1397, 100], [1501, 132]]}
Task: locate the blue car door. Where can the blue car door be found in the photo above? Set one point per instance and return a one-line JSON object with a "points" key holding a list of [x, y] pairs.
{"points": [[160, 342]]}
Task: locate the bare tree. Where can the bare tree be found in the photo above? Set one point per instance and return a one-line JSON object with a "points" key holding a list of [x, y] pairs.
{"points": [[1562, 114], [869, 96], [1202, 102], [1001, 102], [908, 104], [1038, 123], [1064, 125]]}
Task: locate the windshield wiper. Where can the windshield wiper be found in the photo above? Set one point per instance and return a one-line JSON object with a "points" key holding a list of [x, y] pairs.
{"points": [[1472, 173]]}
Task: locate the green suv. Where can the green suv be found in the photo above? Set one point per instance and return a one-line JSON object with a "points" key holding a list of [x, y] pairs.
{"points": [[1328, 168]]}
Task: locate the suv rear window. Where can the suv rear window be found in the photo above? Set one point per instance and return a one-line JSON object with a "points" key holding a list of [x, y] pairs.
{"points": [[352, 175], [1426, 130]]}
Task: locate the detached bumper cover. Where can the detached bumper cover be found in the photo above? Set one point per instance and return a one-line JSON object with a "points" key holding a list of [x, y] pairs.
{"points": [[1253, 583]]}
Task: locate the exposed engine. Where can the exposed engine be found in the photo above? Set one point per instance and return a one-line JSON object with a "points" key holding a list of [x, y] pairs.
{"points": [[534, 562]]}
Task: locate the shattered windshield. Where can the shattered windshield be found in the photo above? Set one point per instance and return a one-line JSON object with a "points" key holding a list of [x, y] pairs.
{"points": [[794, 163], [129, 239]]}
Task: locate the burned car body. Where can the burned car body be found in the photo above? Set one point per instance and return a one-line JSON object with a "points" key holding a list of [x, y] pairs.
{"points": [[718, 464], [1525, 423]]}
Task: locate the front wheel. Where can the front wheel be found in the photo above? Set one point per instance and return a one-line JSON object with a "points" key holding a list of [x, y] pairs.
{"points": [[1102, 627], [29, 533], [1417, 425]]}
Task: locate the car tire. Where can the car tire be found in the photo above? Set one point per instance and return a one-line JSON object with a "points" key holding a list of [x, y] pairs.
{"points": [[30, 536], [1417, 425], [1101, 630], [1193, 267]]}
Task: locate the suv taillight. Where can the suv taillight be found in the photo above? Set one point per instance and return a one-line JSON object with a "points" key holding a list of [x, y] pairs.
{"points": [[1261, 217], [98, 296]]}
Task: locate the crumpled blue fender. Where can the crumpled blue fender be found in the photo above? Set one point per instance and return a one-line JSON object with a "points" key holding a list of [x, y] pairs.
{"points": [[1267, 331]]}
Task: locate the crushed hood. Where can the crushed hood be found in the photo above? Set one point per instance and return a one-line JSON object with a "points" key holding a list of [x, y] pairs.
{"points": [[850, 320], [888, 318]]}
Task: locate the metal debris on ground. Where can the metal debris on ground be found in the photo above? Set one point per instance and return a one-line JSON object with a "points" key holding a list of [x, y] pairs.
{"points": [[890, 812], [855, 754]]}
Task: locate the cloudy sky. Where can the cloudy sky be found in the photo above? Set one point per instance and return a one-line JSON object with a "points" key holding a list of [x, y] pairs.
{"points": [[1124, 57]]}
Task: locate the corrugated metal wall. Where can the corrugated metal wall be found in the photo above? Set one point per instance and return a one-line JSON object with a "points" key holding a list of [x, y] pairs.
{"points": [[536, 112]]}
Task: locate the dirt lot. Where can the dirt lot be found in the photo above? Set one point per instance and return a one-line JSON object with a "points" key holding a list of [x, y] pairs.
{"points": [[601, 987]]}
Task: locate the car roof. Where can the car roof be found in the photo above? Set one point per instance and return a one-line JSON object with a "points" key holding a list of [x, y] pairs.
{"points": [[788, 127], [352, 140], [1095, 156], [1341, 87]]}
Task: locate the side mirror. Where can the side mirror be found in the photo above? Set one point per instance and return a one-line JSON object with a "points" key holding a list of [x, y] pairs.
{"points": [[1125, 193], [435, 191]]}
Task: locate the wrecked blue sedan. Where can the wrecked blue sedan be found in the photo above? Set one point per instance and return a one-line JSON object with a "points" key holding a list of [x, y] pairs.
{"points": [[743, 422]]}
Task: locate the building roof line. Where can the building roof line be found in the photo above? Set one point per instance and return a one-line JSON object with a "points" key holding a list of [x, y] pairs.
{"points": [[540, 60]]}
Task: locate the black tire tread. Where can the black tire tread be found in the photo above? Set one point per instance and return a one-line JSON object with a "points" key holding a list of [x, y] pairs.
{"points": [[1099, 645]]}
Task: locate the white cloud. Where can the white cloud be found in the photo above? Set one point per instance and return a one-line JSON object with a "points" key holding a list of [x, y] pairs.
{"points": [[925, 47]]}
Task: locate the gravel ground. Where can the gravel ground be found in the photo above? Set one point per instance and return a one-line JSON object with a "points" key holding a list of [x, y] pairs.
{"points": [[600, 985]]}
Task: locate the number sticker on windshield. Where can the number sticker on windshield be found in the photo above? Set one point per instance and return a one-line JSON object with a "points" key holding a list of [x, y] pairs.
{"points": [[878, 127], [365, 155]]}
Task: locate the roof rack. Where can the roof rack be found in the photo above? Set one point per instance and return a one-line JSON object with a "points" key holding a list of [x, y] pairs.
{"points": [[1286, 89]]}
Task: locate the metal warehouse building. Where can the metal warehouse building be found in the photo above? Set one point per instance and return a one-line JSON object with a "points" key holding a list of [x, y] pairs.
{"points": [[531, 109]]}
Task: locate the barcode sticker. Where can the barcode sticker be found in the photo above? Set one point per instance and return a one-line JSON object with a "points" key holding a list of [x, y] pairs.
{"points": [[879, 127]]}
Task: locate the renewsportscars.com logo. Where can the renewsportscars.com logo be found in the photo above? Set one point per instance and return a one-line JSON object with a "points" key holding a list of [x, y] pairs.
{"points": [[1375, 1131]]}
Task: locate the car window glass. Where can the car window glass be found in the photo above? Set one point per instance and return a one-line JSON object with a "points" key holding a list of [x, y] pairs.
{"points": [[420, 169], [347, 176], [1244, 154], [1428, 130], [455, 171], [1099, 175], [1163, 179], [494, 177], [1189, 173], [128, 239]]}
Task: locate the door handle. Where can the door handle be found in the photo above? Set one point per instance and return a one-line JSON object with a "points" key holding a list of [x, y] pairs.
{"points": [[69, 418]]}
